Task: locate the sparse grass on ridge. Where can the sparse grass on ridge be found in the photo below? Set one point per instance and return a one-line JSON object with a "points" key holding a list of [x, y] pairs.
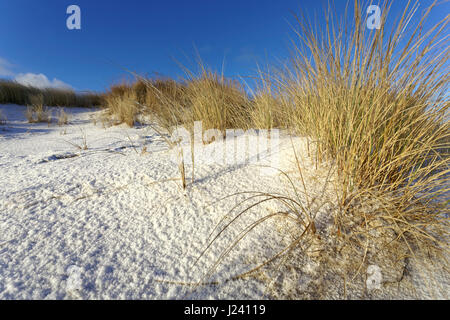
{"points": [[14, 93], [218, 102], [36, 111]]}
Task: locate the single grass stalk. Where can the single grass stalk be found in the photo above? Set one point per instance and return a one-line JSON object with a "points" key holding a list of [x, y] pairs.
{"points": [[80, 146]]}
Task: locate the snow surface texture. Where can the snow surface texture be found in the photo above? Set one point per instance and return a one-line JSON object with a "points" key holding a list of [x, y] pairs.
{"points": [[88, 212]]}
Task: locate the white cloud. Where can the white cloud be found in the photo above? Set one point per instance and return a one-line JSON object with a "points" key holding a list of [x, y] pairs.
{"points": [[5, 68], [40, 81], [31, 79]]}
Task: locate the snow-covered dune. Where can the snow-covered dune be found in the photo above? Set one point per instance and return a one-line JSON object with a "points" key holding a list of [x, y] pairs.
{"points": [[97, 213]]}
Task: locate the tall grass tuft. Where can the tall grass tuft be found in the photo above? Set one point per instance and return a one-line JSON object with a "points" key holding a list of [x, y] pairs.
{"points": [[266, 110], [36, 111], [121, 105], [218, 102], [163, 99], [377, 103]]}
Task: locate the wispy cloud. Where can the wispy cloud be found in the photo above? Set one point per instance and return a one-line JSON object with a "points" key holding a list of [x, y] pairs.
{"points": [[5, 68], [40, 81]]}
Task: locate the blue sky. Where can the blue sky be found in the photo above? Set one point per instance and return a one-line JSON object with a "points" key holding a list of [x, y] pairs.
{"points": [[146, 36]]}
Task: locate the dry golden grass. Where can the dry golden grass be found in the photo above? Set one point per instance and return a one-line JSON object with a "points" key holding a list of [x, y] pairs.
{"points": [[267, 112], [36, 111], [218, 102], [160, 98], [166, 100], [378, 110], [122, 105], [209, 97], [266, 108]]}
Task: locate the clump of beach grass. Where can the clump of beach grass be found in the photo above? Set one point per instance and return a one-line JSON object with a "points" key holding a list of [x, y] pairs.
{"points": [[218, 102], [165, 99], [121, 105], [160, 98], [266, 110]]}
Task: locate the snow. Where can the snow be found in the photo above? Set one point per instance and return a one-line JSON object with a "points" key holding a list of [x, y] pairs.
{"points": [[111, 221]]}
